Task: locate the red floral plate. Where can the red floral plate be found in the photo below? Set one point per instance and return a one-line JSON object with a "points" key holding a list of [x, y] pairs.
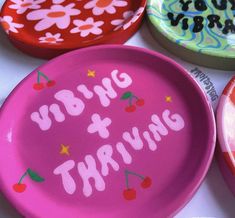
{"points": [[226, 134], [48, 28]]}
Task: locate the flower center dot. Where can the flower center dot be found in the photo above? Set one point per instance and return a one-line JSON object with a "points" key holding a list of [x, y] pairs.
{"points": [[25, 4], [86, 27], [56, 14], [103, 3], [50, 39], [5, 25]]}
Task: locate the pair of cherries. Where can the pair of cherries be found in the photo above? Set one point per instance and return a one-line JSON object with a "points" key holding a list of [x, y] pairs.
{"points": [[131, 97], [130, 193], [132, 108], [40, 85]]}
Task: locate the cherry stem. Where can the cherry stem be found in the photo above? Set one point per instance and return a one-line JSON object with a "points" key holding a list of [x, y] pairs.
{"points": [[22, 177], [127, 182], [43, 75], [127, 172], [38, 78], [130, 101], [131, 98]]}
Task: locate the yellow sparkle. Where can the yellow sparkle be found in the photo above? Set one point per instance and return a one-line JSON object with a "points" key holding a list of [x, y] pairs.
{"points": [[168, 99], [91, 73], [64, 149]]}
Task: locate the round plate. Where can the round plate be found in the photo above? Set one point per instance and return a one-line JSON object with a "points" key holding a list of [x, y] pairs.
{"points": [[199, 31], [87, 134], [226, 136], [48, 28]]}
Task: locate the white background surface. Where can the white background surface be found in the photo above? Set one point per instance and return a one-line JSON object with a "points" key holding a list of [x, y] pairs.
{"points": [[213, 199]]}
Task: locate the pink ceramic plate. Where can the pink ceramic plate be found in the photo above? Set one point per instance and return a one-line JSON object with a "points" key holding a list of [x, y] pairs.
{"points": [[109, 131], [226, 134]]}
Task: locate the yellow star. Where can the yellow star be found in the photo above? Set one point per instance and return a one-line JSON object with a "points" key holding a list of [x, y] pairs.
{"points": [[91, 73], [168, 99], [64, 149]]}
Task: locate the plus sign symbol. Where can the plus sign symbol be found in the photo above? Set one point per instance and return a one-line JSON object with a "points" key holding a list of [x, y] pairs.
{"points": [[99, 125]]}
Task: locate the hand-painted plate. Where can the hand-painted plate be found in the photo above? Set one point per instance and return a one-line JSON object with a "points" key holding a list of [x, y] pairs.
{"points": [[87, 135], [202, 32], [48, 28], [226, 134]]}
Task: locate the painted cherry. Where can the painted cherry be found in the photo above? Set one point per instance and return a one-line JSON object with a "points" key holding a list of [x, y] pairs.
{"points": [[19, 187], [130, 97], [130, 108], [140, 102], [129, 194], [38, 86], [51, 83], [146, 183]]}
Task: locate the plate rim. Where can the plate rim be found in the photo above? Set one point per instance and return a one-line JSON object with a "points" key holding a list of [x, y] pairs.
{"points": [[204, 165]]}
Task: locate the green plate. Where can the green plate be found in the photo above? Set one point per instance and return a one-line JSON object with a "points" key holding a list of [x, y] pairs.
{"points": [[203, 26]]}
